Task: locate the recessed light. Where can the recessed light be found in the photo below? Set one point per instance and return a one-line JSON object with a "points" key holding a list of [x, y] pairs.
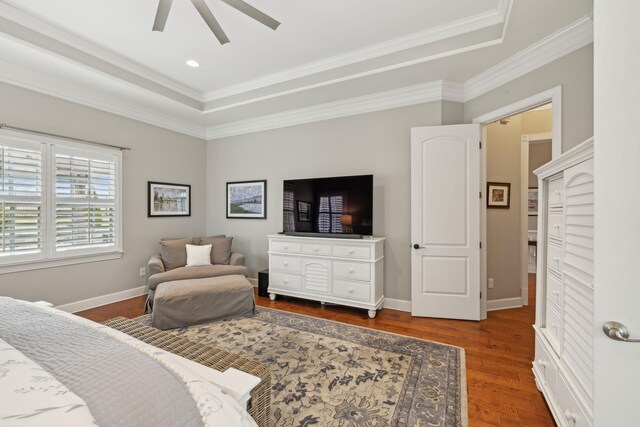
{"points": [[193, 64]]}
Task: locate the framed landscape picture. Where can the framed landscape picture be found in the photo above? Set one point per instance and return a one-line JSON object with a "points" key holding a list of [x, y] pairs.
{"points": [[166, 199], [498, 195], [247, 199]]}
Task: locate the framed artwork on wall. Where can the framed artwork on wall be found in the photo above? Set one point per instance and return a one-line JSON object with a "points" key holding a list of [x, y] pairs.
{"points": [[498, 195], [304, 211], [247, 199], [532, 205], [164, 199]]}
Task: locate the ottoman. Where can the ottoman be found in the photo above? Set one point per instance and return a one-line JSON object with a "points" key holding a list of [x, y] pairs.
{"points": [[187, 302]]}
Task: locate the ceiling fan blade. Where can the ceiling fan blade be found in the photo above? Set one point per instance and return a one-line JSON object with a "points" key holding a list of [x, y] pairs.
{"points": [[164, 6], [252, 12], [208, 17]]}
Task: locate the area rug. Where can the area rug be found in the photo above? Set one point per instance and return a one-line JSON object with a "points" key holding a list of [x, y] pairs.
{"points": [[326, 373]]}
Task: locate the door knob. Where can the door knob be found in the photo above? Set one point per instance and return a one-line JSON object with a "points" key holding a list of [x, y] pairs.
{"points": [[617, 331], [417, 246]]}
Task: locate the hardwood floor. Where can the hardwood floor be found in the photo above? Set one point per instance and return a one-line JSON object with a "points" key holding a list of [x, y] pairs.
{"points": [[499, 351]]}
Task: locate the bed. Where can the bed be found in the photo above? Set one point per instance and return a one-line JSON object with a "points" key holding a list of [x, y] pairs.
{"points": [[60, 369]]}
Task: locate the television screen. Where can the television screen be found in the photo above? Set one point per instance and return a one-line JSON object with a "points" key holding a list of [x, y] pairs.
{"points": [[338, 205]]}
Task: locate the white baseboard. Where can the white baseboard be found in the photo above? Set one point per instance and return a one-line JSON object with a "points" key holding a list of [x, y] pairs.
{"points": [[503, 304], [86, 304], [397, 304]]}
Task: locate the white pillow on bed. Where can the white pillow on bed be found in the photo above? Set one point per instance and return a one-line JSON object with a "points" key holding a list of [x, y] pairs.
{"points": [[198, 255]]}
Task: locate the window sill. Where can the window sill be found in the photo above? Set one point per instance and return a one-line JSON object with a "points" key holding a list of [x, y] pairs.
{"points": [[40, 264]]}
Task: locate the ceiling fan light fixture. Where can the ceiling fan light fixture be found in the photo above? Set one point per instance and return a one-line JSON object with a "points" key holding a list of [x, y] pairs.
{"points": [[193, 63]]}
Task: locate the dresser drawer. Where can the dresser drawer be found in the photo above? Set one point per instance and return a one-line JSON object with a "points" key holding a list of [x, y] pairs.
{"points": [[554, 225], [556, 198], [546, 365], [352, 270], [570, 408], [554, 257], [286, 263], [313, 249], [554, 290], [352, 290], [346, 251], [285, 281], [553, 326], [286, 247]]}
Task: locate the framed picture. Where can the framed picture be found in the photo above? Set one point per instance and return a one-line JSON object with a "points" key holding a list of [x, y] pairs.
{"points": [[166, 199], [533, 202], [247, 199], [498, 195], [304, 211]]}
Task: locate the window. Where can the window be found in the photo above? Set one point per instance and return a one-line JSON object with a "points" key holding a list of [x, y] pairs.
{"points": [[58, 200], [330, 213]]}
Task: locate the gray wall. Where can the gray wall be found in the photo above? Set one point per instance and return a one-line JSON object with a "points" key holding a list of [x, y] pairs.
{"points": [[574, 72], [157, 155], [376, 143]]}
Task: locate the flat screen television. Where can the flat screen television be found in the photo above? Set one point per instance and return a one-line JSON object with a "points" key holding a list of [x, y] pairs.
{"points": [[338, 206]]}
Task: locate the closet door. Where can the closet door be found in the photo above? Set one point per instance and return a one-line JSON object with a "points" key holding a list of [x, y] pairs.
{"points": [[578, 277]]}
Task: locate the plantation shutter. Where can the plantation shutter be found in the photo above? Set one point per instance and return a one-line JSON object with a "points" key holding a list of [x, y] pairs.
{"points": [[288, 218], [20, 199], [85, 201]]}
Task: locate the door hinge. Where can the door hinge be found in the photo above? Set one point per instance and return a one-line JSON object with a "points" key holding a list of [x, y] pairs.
{"points": [[480, 144], [480, 294], [480, 245], [480, 193]]}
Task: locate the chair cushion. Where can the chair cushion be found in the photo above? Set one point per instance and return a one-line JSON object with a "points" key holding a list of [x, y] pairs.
{"points": [[174, 252], [182, 273], [220, 250]]}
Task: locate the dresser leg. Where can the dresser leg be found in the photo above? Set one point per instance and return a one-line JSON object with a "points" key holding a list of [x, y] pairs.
{"points": [[272, 296], [372, 313]]}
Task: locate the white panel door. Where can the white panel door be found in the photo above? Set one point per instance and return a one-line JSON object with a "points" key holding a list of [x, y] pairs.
{"points": [[616, 223], [445, 221]]}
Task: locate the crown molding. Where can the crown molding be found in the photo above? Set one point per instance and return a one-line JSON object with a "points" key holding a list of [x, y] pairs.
{"points": [[497, 16], [39, 26], [555, 46], [40, 82], [411, 95]]}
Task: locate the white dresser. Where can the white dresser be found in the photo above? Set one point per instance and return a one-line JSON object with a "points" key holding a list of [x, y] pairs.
{"points": [[340, 271], [563, 365]]}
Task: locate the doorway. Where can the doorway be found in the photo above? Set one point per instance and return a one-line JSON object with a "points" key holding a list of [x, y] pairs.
{"points": [[515, 146]]}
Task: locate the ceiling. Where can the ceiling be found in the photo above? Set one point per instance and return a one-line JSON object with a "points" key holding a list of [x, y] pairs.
{"points": [[325, 55]]}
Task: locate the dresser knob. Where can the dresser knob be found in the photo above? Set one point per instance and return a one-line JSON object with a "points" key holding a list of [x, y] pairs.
{"points": [[556, 226], [286, 281], [350, 251], [351, 271], [556, 259], [315, 249], [557, 192], [542, 363], [286, 247], [350, 290], [285, 263]]}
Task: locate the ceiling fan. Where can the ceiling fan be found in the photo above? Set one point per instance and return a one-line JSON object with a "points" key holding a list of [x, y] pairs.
{"points": [[164, 6]]}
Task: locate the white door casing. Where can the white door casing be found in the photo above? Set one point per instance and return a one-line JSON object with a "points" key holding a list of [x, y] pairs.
{"points": [[616, 224], [445, 221]]}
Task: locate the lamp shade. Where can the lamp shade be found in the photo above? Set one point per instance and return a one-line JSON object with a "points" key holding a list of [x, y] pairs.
{"points": [[346, 220]]}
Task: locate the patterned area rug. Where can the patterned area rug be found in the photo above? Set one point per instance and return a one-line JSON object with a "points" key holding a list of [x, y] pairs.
{"points": [[326, 373]]}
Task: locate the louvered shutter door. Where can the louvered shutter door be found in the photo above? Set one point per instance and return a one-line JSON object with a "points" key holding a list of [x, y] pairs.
{"points": [[85, 201], [21, 192]]}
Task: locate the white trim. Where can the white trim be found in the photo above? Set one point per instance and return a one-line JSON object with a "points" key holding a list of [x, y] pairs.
{"points": [[555, 46], [397, 304], [503, 304], [453, 29], [41, 82], [38, 265], [412, 95], [577, 154], [95, 51], [74, 307]]}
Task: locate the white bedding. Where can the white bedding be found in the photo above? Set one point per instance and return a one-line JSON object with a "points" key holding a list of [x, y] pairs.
{"points": [[31, 396]]}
